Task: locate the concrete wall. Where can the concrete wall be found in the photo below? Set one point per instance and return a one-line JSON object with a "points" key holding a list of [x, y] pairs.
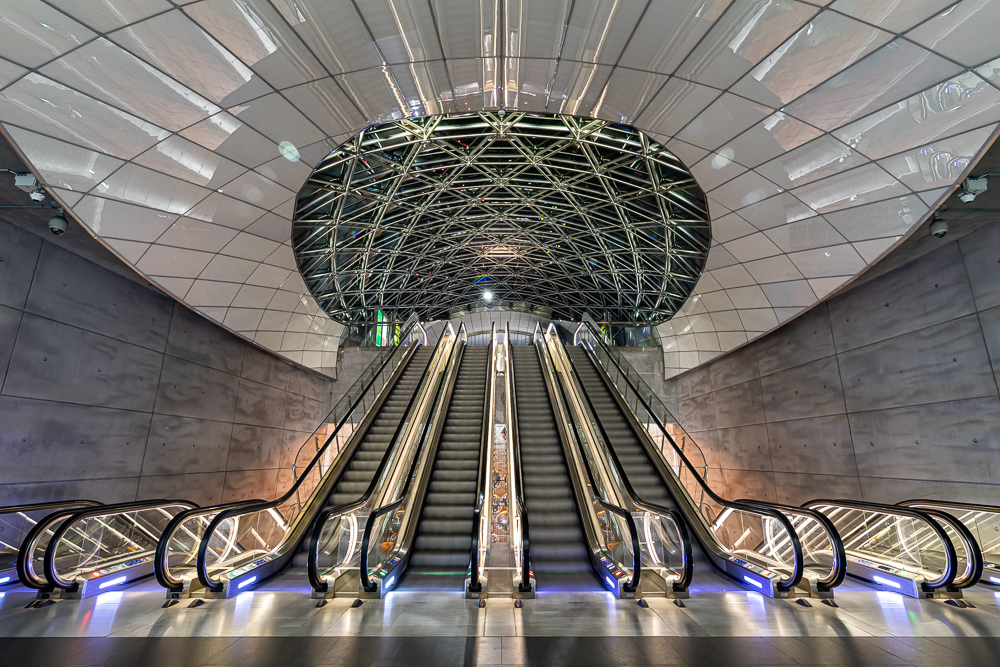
{"points": [[886, 392], [111, 391]]}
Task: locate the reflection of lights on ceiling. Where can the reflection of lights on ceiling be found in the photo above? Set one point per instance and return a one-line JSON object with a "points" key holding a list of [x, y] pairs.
{"points": [[289, 151]]}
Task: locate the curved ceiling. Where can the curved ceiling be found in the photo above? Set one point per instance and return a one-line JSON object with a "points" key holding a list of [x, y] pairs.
{"points": [[821, 131], [445, 213]]}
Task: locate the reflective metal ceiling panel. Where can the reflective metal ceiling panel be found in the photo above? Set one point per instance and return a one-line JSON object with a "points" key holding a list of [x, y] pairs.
{"points": [[185, 109]]}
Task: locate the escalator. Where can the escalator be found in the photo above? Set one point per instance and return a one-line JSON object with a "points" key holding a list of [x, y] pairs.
{"points": [[641, 473], [441, 552], [229, 548], [559, 556], [365, 463], [756, 544]]}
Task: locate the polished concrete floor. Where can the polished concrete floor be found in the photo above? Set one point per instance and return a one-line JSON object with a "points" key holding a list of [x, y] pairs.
{"points": [[721, 624]]}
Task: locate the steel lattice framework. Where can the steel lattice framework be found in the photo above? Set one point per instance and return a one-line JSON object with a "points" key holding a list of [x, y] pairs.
{"points": [[569, 214]]}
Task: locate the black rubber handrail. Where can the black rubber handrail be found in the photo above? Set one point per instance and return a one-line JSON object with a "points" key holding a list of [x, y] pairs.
{"points": [[515, 469], [312, 564], [592, 483], [38, 507], [22, 564], [103, 510], [951, 556], [486, 436], [202, 566], [971, 545], [973, 554], [56, 504], [366, 582], [687, 570], [839, 568], [796, 576], [161, 569]]}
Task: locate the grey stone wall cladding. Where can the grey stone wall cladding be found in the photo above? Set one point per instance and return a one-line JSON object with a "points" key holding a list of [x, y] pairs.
{"points": [[111, 391], [886, 392]]}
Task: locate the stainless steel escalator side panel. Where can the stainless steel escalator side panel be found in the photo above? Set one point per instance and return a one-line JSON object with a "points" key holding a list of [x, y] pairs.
{"points": [[753, 576]]}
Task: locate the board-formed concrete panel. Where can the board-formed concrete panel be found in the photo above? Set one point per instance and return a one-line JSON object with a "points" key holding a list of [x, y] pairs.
{"points": [[809, 390], [739, 405], [260, 404], [69, 289], [194, 338], [921, 367], [41, 440], [179, 445], [982, 260], [10, 320], [18, 256], [812, 445], [955, 440], [802, 340], [214, 398], [916, 296], [58, 362]]}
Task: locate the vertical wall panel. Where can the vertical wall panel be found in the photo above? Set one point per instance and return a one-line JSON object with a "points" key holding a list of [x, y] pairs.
{"points": [[115, 392], [888, 392], [18, 255]]}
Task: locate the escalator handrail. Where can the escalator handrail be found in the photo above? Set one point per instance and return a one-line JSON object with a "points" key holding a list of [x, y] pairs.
{"points": [[227, 513], [839, 569], [515, 446], [319, 521], [485, 438], [951, 556], [919, 503], [161, 570], [389, 507], [925, 504], [102, 510], [21, 563], [56, 504], [592, 483], [663, 429], [654, 508], [67, 505], [974, 555], [799, 566]]}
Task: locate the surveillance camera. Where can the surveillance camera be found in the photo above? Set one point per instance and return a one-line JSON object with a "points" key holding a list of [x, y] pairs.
{"points": [[939, 228], [57, 224], [37, 195], [967, 197]]}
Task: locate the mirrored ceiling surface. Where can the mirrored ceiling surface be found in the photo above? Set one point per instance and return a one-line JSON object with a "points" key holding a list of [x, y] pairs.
{"points": [[180, 132]]}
